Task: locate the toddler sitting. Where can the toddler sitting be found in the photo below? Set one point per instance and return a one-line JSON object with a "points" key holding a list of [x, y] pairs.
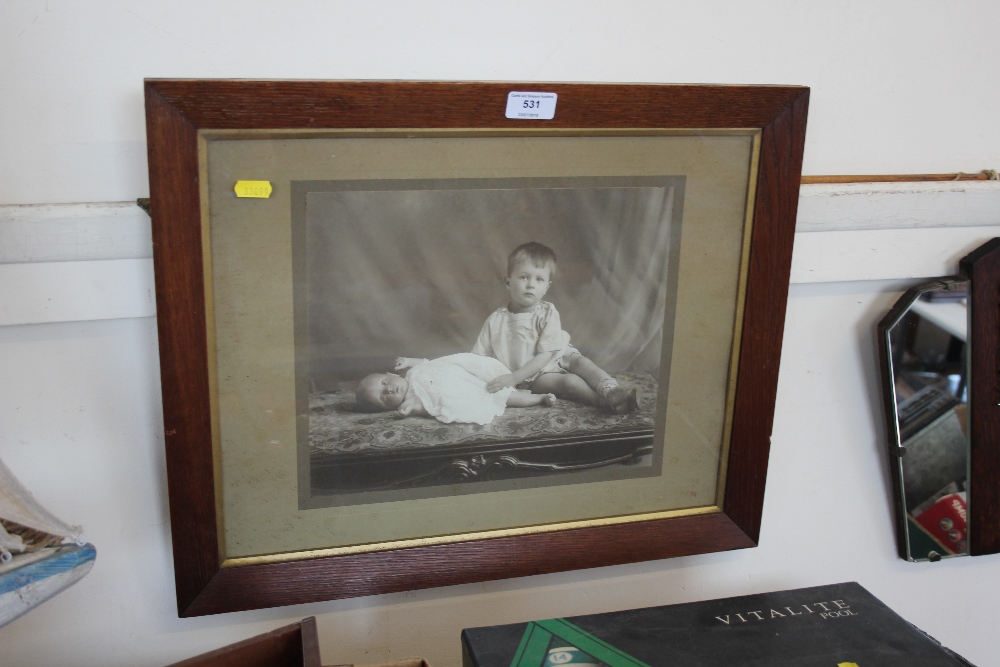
{"points": [[526, 335], [450, 389]]}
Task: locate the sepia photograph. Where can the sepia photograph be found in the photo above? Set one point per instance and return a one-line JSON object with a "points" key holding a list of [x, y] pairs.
{"points": [[464, 335]]}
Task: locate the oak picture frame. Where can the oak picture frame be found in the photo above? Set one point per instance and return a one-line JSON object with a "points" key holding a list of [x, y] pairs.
{"points": [[178, 110]]}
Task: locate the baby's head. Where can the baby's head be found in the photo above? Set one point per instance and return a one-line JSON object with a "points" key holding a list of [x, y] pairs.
{"points": [[530, 269], [380, 392]]}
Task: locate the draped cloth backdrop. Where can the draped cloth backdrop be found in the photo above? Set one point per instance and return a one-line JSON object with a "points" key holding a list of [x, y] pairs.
{"points": [[414, 269]]}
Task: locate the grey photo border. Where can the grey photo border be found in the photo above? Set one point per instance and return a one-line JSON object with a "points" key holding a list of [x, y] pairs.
{"points": [[299, 191]]}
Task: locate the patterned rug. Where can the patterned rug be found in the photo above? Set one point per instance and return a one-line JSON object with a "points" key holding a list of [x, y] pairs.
{"points": [[334, 426]]}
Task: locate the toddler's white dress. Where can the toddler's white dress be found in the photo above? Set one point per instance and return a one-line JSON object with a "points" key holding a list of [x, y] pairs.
{"points": [[453, 388]]}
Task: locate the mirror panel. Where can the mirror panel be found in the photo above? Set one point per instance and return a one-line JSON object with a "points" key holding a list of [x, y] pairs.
{"points": [[925, 352]]}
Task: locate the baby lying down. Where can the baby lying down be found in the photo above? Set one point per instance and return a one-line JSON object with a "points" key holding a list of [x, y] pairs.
{"points": [[451, 389]]}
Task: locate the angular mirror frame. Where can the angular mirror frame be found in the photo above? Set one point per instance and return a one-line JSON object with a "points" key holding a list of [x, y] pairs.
{"points": [[982, 269], [903, 307]]}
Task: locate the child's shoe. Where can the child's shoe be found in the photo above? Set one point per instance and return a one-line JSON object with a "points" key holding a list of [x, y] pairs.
{"points": [[622, 401]]}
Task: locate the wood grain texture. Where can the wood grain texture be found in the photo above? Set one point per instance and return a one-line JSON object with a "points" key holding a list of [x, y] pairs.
{"points": [[896, 178], [982, 267], [176, 110], [180, 312], [293, 645], [780, 170], [392, 104], [253, 586]]}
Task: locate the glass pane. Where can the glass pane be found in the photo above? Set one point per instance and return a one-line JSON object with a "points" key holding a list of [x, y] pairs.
{"points": [[928, 348]]}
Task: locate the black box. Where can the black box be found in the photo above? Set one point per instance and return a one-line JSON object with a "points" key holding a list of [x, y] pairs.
{"points": [[825, 626]]}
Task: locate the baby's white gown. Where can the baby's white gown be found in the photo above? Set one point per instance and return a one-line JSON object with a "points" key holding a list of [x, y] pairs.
{"points": [[453, 388]]}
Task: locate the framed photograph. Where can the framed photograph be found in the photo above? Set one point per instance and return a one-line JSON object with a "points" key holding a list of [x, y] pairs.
{"points": [[416, 268], [420, 334]]}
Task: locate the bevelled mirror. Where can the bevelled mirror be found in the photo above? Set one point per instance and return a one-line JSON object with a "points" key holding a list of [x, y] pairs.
{"points": [[938, 348], [926, 341]]}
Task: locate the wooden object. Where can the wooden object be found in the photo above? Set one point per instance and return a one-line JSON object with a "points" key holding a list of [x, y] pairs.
{"points": [[32, 578], [984, 175], [982, 268], [177, 109], [295, 645]]}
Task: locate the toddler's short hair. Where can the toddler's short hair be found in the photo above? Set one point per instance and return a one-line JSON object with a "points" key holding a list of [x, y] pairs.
{"points": [[538, 254]]}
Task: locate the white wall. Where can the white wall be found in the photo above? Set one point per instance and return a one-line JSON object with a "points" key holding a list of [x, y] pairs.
{"points": [[897, 87]]}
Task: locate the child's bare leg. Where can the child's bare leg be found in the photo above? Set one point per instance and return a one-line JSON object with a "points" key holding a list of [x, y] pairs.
{"points": [[621, 400], [525, 399], [592, 374], [567, 386]]}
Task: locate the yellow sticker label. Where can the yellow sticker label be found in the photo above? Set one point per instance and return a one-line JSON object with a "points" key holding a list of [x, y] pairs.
{"points": [[847, 664], [255, 189]]}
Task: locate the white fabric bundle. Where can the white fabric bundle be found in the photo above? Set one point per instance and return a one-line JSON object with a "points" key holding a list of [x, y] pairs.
{"points": [[18, 505], [453, 388]]}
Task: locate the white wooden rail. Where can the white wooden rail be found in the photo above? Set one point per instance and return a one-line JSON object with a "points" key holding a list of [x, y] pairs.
{"points": [[77, 262]]}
